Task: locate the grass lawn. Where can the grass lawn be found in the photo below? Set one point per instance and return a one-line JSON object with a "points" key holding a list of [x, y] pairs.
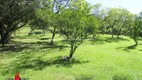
{"points": [[104, 59]]}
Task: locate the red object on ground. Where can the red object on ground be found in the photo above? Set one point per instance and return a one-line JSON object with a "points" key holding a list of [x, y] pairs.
{"points": [[17, 76]]}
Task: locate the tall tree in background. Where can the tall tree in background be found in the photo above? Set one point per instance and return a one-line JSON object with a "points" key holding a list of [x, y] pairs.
{"points": [[123, 23], [43, 16], [113, 17], [137, 27]]}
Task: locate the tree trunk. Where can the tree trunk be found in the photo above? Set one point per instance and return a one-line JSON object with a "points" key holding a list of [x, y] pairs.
{"points": [[112, 33], [2, 40], [118, 36], [53, 35], [136, 32], [119, 33], [136, 42], [72, 50], [2, 35], [44, 31], [5, 36]]}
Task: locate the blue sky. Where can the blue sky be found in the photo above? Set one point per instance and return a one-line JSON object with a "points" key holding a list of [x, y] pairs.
{"points": [[134, 6]]}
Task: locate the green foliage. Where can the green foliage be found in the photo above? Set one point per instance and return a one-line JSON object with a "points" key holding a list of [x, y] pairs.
{"points": [[136, 29], [119, 21], [14, 15], [116, 19], [76, 23], [92, 25], [42, 20]]}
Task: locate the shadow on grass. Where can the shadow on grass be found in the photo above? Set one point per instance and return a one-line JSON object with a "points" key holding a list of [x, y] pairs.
{"points": [[127, 48], [122, 77], [20, 46], [17, 47], [65, 41], [45, 38], [84, 77], [54, 46], [140, 38], [27, 37], [25, 62], [107, 40]]}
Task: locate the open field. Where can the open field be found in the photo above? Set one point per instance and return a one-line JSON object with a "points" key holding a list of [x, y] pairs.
{"points": [[103, 59]]}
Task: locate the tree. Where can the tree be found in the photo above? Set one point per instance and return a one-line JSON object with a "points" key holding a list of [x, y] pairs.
{"points": [[92, 24], [103, 28], [14, 15], [43, 16], [46, 16], [123, 23], [42, 20], [136, 29], [113, 17], [73, 23], [57, 7]]}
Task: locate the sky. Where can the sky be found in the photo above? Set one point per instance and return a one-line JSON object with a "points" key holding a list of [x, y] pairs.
{"points": [[134, 6]]}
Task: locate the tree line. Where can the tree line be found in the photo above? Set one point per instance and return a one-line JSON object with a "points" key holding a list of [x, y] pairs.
{"points": [[75, 20]]}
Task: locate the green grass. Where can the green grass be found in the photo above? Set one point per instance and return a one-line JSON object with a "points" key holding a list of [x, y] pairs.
{"points": [[104, 59]]}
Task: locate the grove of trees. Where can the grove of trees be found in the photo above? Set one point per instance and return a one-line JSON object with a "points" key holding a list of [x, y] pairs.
{"points": [[75, 20]]}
